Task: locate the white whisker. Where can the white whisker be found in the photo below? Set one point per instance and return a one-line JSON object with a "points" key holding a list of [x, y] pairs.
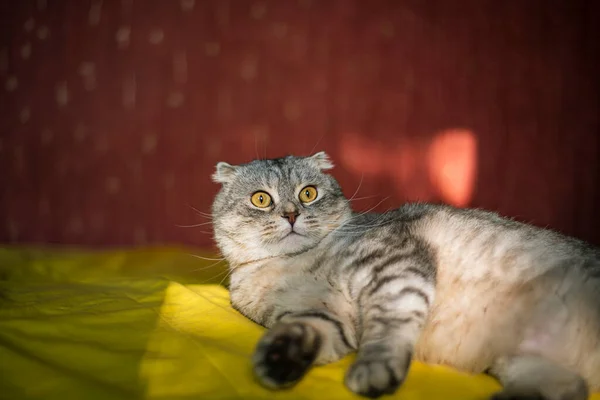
{"points": [[205, 258], [316, 144], [205, 215], [207, 267], [363, 198], [194, 225], [358, 188]]}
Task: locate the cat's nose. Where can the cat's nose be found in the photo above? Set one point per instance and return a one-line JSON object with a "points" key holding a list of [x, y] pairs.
{"points": [[291, 216]]}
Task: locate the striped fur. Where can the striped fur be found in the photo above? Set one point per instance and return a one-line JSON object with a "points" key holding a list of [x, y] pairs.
{"points": [[464, 288]]}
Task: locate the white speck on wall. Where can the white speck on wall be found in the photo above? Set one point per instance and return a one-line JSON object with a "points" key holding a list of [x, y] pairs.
{"points": [[113, 185], [62, 94], [224, 103], [29, 25], [280, 30], [168, 180], [140, 235], [62, 166], [249, 69], [126, 5], [46, 137], [97, 221], [95, 13], [129, 91], [149, 143], [291, 110], [212, 49], [25, 115], [187, 5], [11, 84], [223, 14], [180, 67], [258, 10], [101, 144], [13, 230], [80, 132], [136, 170], [26, 51], [175, 99], [43, 206], [19, 159], [75, 226], [213, 148], [156, 36], [43, 32], [123, 36], [87, 70], [387, 29]]}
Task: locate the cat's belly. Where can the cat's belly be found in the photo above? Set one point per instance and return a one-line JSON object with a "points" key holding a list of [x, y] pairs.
{"points": [[471, 324]]}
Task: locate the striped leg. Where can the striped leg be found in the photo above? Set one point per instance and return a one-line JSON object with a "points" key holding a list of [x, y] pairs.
{"points": [[393, 307], [298, 341]]}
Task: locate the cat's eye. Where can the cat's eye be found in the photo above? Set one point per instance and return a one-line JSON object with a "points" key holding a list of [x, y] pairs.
{"points": [[261, 199], [308, 194]]}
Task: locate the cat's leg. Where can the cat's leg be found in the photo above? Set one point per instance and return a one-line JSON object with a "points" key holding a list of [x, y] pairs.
{"points": [[394, 306], [528, 377], [299, 340]]}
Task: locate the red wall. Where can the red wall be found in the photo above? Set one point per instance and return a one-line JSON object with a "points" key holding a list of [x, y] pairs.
{"points": [[113, 113]]}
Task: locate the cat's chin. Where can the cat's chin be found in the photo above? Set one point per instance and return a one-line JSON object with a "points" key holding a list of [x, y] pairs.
{"points": [[293, 242]]}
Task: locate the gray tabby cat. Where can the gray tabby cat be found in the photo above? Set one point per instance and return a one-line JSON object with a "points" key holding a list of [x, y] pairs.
{"points": [[464, 288]]}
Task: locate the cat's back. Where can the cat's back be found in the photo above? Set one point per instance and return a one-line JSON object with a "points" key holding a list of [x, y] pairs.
{"points": [[502, 285]]}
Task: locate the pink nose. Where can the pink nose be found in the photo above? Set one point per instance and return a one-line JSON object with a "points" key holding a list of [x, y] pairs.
{"points": [[291, 216]]}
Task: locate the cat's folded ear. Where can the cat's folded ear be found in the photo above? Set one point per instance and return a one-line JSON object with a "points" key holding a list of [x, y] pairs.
{"points": [[224, 172], [321, 160]]}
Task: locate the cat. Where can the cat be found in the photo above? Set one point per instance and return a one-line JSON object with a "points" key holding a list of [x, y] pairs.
{"points": [[464, 288]]}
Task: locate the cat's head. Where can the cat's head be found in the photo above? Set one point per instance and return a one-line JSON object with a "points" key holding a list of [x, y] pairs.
{"points": [[276, 207]]}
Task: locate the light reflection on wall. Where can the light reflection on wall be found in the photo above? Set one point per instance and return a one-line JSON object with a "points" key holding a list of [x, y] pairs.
{"points": [[442, 168]]}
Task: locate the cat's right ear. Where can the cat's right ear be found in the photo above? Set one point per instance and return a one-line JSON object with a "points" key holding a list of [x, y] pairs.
{"points": [[224, 172]]}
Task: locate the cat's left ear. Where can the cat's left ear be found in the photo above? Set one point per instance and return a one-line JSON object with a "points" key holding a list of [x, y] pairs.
{"points": [[321, 161], [224, 173]]}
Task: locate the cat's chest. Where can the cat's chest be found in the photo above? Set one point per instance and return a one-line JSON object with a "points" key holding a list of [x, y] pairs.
{"points": [[282, 286]]}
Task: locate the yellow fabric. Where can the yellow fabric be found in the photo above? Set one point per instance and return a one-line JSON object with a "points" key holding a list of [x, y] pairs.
{"points": [[150, 324]]}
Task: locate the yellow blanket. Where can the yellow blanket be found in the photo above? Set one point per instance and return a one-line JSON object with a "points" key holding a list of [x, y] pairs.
{"points": [[150, 324]]}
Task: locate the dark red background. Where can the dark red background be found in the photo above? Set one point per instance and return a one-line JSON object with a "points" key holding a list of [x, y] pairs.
{"points": [[113, 113]]}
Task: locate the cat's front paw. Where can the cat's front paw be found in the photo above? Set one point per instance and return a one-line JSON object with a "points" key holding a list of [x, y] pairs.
{"points": [[373, 378], [285, 353]]}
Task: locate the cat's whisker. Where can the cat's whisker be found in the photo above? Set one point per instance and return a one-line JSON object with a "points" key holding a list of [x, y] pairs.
{"points": [[363, 198], [316, 144], [206, 258], [216, 276], [374, 207], [194, 225], [226, 276], [205, 215], [358, 188], [207, 267]]}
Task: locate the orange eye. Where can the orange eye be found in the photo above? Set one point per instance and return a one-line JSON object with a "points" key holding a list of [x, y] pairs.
{"points": [[308, 194], [261, 199]]}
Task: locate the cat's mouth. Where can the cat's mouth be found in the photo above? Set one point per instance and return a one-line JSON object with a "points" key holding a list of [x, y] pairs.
{"points": [[292, 234]]}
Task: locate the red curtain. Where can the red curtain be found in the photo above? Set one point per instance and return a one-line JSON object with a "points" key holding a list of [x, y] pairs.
{"points": [[114, 113]]}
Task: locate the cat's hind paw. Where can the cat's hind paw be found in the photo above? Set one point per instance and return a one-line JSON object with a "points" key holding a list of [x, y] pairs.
{"points": [[285, 354], [374, 378]]}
